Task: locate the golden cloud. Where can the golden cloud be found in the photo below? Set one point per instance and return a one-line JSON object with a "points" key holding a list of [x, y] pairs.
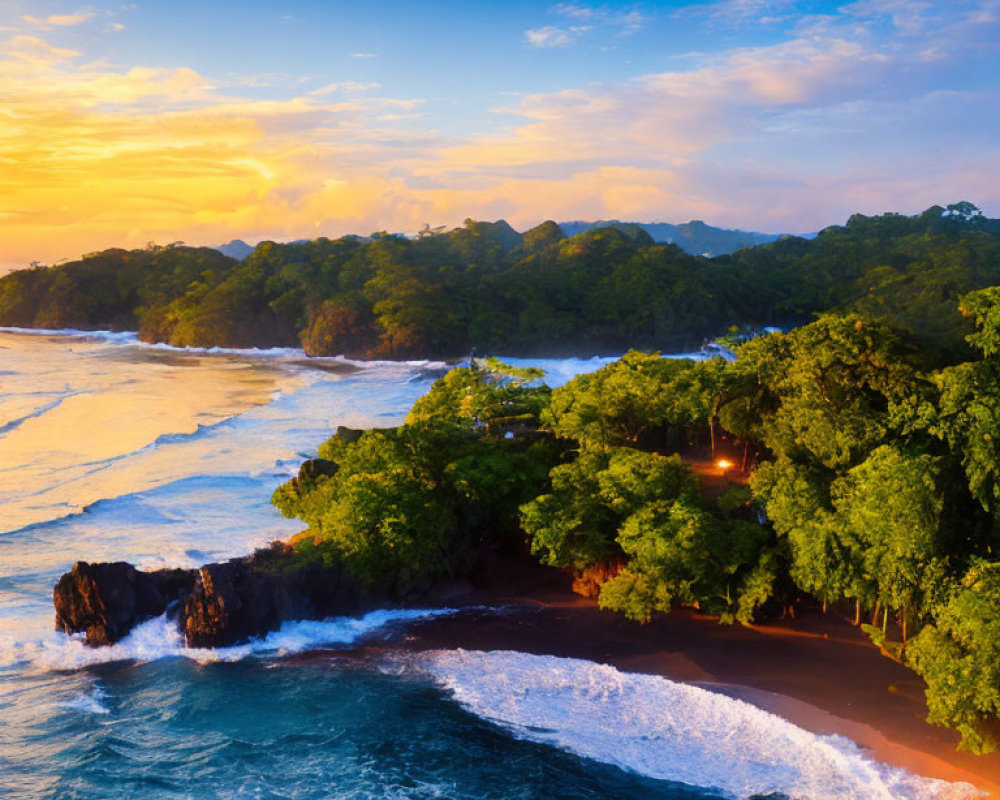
{"points": [[60, 20], [93, 155]]}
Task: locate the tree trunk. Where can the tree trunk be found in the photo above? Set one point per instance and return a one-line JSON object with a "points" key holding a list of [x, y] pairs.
{"points": [[857, 611], [885, 620], [903, 622], [878, 607], [746, 452], [711, 433]]}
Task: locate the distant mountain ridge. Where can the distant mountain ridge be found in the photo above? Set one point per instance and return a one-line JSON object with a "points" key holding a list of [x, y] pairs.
{"points": [[237, 249], [694, 237]]}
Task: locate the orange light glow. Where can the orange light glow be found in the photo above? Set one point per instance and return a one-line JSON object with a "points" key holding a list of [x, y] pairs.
{"points": [[723, 464]]}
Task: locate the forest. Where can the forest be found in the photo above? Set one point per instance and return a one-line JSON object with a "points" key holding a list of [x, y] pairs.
{"points": [[873, 489], [488, 288]]}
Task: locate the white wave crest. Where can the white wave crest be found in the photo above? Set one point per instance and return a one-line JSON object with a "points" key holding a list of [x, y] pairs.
{"points": [[113, 337], [160, 638], [88, 703], [670, 731], [131, 338]]}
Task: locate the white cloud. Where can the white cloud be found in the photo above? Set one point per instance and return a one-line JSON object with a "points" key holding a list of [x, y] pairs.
{"points": [[628, 21], [909, 16], [362, 55], [548, 36], [739, 12], [588, 18], [351, 87]]}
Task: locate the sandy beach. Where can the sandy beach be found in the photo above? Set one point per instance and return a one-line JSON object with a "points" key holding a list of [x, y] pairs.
{"points": [[817, 671]]}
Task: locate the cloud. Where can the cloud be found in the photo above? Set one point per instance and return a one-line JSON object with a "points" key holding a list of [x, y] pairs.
{"points": [[350, 87], [548, 36], [61, 20], [741, 12], [588, 18], [789, 136], [95, 155], [37, 52], [909, 16], [68, 20], [627, 20], [853, 116], [114, 27], [363, 55]]}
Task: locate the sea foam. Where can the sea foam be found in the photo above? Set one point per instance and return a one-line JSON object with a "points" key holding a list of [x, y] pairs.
{"points": [[670, 731], [160, 638], [131, 338], [91, 703]]}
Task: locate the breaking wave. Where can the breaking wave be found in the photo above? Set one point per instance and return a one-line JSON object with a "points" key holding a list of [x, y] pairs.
{"points": [[670, 731], [160, 638]]}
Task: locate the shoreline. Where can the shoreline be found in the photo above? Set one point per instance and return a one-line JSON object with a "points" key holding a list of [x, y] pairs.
{"points": [[818, 671], [683, 346]]}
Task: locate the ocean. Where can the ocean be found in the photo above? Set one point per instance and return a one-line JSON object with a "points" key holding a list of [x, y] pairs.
{"points": [[111, 449]]}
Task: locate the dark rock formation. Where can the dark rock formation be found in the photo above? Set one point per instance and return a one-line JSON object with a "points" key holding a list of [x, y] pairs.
{"points": [[106, 601], [219, 604], [244, 598]]}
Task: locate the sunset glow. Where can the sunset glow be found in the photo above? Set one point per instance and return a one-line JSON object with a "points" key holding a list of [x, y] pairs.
{"points": [[112, 134]]}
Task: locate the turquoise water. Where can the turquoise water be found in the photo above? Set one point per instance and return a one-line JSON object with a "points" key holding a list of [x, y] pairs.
{"points": [[114, 450], [173, 728]]}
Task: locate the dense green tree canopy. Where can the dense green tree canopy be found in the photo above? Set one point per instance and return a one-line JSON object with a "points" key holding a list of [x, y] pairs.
{"points": [[876, 491], [620, 402], [959, 657], [485, 286]]}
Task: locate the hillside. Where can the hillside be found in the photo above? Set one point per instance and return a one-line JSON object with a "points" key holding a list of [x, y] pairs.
{"points": [[488, 287]]}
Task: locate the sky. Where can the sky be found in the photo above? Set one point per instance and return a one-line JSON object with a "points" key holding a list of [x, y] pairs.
{"points": [[201, 122]]}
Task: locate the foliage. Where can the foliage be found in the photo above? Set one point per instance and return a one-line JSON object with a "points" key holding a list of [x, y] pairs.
{"points": [[618, 403], [959, 658], [889, 509], [487, 287], [408, 504], [615, 504], [833, 385], [576, 523], [679, 553], [570, 526], [488, 395], [966, 414]]}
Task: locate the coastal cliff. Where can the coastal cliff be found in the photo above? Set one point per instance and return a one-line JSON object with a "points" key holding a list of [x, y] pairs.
{"points": [[216, 605]]}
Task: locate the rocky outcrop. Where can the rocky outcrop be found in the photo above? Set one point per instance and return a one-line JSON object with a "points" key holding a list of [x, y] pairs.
{"points": [[245, 598], [217, 605], [105, 601]]}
